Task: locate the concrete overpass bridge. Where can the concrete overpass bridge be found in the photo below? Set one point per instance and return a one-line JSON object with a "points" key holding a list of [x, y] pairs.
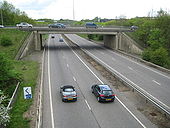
{"points": [[114, 37], [111, 35]]}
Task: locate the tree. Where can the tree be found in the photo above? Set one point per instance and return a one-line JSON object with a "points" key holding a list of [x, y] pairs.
{"points": [[4, 111], [163, 23], [160, 57], [11, 15], [8, 76]]}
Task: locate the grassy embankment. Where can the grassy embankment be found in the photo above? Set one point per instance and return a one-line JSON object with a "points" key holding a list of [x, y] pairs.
{"points": [[29, 73]]}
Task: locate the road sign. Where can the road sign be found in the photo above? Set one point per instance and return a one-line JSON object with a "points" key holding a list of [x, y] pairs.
{"points": [[27, 93]]}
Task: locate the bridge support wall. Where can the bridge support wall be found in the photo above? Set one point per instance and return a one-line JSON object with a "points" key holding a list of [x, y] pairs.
{"points": [[128, 45], [111, 41], [122, 42], [38, 40]]}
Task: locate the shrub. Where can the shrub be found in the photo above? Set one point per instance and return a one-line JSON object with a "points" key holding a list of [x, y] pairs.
{"points": [[6, 41], [90, 36], [100, 37], [8, 76], [160, 57], [146, 55]]}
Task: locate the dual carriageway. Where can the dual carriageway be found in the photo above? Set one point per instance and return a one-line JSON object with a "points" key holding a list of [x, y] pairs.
{"points": [[63, 65]]}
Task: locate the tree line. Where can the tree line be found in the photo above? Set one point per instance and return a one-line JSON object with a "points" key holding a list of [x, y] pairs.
{"points": [[153, 34], [11, 15]]}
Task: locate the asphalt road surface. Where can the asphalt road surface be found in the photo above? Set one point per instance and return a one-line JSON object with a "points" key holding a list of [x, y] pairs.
{"points": [[152, 81], [64, 66]]}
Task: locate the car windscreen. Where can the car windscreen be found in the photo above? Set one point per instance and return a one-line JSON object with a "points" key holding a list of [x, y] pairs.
{"points": [[107, 92], [68, 89]]}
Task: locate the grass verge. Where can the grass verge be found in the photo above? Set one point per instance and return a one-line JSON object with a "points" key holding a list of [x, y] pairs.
{"points": [[29, 71], [16, 36]]}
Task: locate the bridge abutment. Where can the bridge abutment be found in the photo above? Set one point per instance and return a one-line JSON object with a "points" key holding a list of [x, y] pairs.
{"points": [[38, 40], [111, 41]]}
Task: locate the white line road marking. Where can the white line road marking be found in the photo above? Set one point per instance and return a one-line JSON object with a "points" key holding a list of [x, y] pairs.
{"points": [[51, 104], [156, 82], [122, 76], [88, 105], [67, 66], [130, 68], [41, 84], [131, 113], [133, 61], [74, 78], [141, 65], [103, 83], [102, 53], [113, 59]]}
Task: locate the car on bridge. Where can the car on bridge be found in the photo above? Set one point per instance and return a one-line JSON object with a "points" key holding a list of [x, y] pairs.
{"points": [[57, 25], [91, 25], [133, 27], [24, 25], [68, 93], [1, 26], [103, 92]]}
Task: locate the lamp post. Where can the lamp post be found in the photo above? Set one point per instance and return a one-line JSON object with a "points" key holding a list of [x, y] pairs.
{"points": [[73, 11], [1, 17]]}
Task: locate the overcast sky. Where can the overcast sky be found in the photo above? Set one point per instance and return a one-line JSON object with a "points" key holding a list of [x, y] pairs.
{"points": [[88, 9]]}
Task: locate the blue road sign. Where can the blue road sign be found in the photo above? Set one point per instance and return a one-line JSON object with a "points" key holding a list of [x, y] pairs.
{"points": [[27, 93]]}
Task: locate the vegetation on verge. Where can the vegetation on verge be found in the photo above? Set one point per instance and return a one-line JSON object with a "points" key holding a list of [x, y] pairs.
{"points": [[153, 34], [29, 71], [12, 71]]}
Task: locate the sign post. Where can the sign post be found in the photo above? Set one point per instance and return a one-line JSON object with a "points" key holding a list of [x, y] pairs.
{"points": [[27, 93]]}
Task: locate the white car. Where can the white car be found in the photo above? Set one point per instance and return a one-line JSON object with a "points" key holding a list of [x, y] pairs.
{"points": [[24, 25], [1, 26]]}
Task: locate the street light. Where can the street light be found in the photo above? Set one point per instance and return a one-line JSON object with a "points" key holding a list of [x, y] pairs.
{"points": [[1, 17], [73, 11]]}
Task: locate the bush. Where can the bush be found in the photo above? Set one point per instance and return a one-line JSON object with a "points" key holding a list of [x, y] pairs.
{"points": [[6, 41], [8, 76], [146, 55], [90, 36], [160, 57], [100, 37]]}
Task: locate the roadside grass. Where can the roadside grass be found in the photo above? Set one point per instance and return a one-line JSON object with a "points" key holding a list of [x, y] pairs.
{"points": [[29, 73], [16, 36]]}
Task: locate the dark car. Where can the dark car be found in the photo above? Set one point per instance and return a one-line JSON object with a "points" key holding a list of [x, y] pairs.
{"points": [[133, 27], [52, 36], [91, 25], [56, 25], [68, 93], [61, 40], [103, 92]]}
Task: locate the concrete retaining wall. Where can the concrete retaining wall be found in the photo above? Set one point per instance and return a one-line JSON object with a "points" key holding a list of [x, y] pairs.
{"points": [[27, 47], [128, 45]]}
